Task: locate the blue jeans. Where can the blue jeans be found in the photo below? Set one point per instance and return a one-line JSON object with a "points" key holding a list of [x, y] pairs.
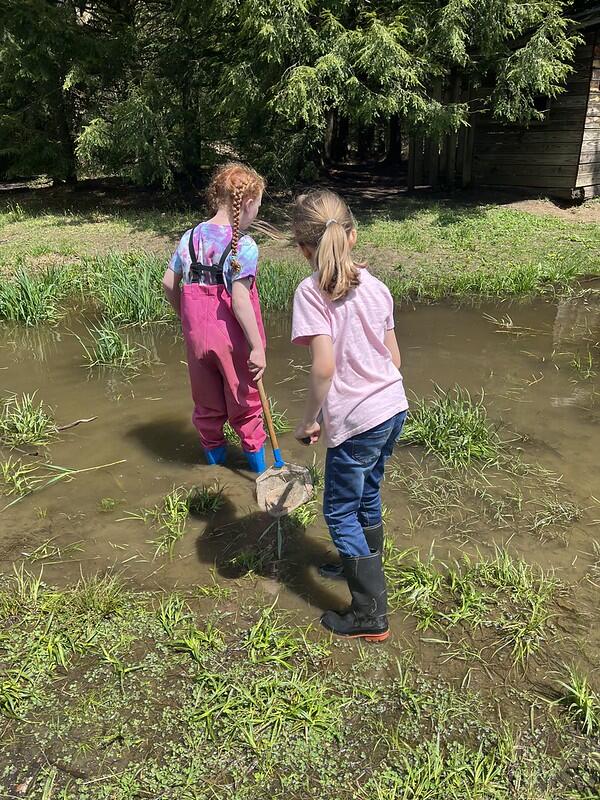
{"points": [[353, 474]]}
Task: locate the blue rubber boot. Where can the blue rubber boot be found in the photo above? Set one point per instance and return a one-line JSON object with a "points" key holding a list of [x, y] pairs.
{"points": [[216, 455], [256, 461]]}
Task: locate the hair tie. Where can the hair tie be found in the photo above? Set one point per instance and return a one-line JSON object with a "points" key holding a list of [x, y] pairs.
{"points": [[330, 222]]}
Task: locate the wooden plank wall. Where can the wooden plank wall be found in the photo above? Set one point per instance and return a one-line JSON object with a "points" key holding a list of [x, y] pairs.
{"points": [[588, 174], [546, 155]]}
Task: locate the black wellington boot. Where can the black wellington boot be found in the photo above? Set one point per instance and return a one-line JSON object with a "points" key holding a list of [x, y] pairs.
{"points": [[374, 537], [366, 617]]}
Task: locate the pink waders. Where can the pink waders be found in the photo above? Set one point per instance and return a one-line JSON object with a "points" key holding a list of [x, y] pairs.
{"points": [[217, 354]]}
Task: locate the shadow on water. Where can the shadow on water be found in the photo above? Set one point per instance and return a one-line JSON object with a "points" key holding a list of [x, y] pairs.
{"points": [[237, 546], [168, 439]]}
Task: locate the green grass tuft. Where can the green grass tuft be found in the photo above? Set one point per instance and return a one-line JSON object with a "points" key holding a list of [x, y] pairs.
{"points": [[454, 428], [32, 297], [582, 701], [109, 347], [23, 421]]}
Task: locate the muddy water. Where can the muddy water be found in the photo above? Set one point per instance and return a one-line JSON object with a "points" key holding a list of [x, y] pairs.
{"points": [[521, 363]]}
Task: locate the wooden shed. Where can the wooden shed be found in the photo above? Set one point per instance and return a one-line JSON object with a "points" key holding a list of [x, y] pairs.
{"points": [[557, 156]]}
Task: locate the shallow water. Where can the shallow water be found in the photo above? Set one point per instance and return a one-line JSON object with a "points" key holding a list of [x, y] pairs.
{"points": [[522, 365]]}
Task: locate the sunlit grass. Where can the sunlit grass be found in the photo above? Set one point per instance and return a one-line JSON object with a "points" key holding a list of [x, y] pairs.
{"points": [[582, 701], [127, 287], [23, 420], [35, 296], [109, 347], [453, 427]]}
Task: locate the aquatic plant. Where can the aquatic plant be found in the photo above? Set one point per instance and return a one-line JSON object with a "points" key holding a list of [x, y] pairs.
{"points": [[202, 500], [582, 701], [23, 421], [454, 428], [127, 287], [281, 424], [32, 297], [109, 347]]}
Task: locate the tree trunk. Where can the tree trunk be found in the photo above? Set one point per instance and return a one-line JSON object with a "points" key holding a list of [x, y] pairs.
{"points": [[63, 130], [340, 134], [394, 144], [365, 142]]}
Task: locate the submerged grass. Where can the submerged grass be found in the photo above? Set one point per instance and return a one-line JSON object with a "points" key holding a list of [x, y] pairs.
{"points": [[109, 347], [169, 517], [280, 419], [499, 593]]}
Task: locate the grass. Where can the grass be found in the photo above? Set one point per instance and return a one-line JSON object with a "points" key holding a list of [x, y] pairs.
{"points": [[19, 479], [277, 282], [453, 427], [500, 593], [204, 500], [422, 250], [169, 517], [34, 297], [484, 250], [270, 642], [109, 347], [25, 421], [132, 694], [280, 419], [127, 287], [553, 514], [584, 365], [582, 702]]}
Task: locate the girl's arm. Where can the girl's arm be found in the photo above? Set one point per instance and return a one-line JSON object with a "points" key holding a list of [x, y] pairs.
{"points": [[171, 281], [321, 376], [391, 343], [244, 313]]}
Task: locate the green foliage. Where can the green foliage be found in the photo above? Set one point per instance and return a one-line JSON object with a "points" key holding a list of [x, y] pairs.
{"points": [[23, 421], [33, 297], [121, 88], [127, 287], [454, 428], [582, 701], [109, 347]]}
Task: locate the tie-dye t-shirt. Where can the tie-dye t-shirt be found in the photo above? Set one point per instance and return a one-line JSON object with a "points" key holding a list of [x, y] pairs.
{"points": [[209, 242]]}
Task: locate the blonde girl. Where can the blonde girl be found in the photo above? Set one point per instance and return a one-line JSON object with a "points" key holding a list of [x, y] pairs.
{"points": [[346, 317]]}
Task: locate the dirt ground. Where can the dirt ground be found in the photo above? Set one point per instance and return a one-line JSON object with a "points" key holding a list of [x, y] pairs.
{"points": [[369, 187]]}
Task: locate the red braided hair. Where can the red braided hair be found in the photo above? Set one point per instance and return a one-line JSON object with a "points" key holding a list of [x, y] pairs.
{"points": [[231, 184]]}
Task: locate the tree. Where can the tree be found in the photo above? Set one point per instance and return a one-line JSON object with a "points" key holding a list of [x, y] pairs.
{"points": [[156, 89], [53, 59]]}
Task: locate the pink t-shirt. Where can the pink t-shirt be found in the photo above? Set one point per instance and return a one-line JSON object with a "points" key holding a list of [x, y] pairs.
{"points": [[367, 389]]}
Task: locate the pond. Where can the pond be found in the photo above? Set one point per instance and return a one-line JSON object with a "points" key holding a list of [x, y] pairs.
{"points": [[529, 358], [493, 574]]}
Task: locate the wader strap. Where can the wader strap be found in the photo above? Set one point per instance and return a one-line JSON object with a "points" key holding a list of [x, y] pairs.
{"points": [[214, 270], [193, 255]]}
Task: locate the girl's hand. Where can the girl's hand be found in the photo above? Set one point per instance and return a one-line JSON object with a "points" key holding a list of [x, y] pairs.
{"points": [[311, 430], [257, 363]]}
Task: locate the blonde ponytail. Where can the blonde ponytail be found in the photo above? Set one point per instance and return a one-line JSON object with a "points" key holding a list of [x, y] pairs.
{"points": [[322, 221]]}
